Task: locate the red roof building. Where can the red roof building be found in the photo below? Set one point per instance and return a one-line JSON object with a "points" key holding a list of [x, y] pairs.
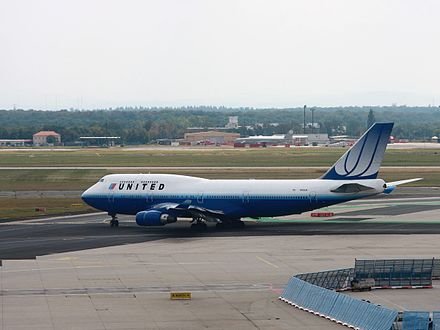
{"points": [[46, 138]]}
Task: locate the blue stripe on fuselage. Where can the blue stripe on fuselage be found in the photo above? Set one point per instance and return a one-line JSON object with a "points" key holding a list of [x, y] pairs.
{"points": [[232, 206]]}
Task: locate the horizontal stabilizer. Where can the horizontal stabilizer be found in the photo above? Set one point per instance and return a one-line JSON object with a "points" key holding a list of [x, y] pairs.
{"points": [[351, 188], [392, 185], [398, 183]]}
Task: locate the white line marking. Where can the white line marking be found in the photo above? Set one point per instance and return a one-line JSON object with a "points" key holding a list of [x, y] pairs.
{"points": [[267, 262], [388, 301], [51, 218], [50, 269]]}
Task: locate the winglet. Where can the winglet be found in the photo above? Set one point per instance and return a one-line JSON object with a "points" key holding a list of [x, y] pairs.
{"points": [[363, 159]]}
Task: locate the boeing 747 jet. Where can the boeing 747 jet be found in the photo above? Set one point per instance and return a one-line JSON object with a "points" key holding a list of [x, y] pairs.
{"points": [[159, 199]]}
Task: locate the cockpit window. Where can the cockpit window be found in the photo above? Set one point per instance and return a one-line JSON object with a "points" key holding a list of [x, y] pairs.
{"points": [[102, 180]]}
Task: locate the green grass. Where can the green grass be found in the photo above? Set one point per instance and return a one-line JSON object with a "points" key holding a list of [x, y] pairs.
{"points": [[207, 157], [80, 179], [36, 179], [20, 208], [60, 179]]}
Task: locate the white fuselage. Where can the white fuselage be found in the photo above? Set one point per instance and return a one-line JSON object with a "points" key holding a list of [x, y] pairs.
{"points": [[132, 193]]}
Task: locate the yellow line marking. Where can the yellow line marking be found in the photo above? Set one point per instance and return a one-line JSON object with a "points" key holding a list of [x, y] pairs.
{"points": [[180, 295]]}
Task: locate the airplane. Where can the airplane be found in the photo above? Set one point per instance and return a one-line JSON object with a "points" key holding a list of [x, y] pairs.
{"points": [[159, 199]]}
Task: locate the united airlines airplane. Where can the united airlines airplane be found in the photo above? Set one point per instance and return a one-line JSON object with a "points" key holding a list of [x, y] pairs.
{"points": [[159, 199]]}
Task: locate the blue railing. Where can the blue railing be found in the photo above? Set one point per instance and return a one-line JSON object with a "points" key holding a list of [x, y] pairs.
{"points": [[396, 272], [415, 321], [333, 279], [337, 307], [436, 321]]}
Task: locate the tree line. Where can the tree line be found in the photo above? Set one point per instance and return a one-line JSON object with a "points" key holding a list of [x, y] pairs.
{"points": [[145, 125]]}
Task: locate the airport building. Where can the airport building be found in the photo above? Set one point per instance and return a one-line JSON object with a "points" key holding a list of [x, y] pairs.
{"points": [[100, 141], [46, 138], [282, 139], [15, 142], [271, 140], [318, 139], [232, 124], [210, 138]]}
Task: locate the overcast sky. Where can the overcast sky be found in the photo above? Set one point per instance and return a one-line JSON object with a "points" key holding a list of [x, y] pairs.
{"points": [[93, 54]]}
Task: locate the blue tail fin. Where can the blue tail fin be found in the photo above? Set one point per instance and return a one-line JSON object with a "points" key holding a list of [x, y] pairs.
{"points": [[363, 160]]}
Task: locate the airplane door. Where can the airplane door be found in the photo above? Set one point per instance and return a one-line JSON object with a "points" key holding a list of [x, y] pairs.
{"points": [[245, 197], [200, 198], [149, 198], [111, 200], [312, 197]]}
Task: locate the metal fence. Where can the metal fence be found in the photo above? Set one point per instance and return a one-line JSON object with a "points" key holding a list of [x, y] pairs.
{"points": [[333, 279], [396, 272], [436, 270], [415, 321], [337, 306], [436, 321]]}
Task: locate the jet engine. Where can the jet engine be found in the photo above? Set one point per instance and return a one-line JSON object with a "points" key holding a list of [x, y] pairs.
{"points": [[154, 218]]}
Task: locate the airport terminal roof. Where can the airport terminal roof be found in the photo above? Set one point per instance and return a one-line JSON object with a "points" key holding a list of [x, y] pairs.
{"points": [[46, 133]]}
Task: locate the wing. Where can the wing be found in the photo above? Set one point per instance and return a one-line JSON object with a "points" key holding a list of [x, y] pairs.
{"points": [[186, 210]]}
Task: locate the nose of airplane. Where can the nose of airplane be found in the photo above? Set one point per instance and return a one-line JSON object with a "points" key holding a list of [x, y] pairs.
{"points": [[85, 196], [95, 197]]}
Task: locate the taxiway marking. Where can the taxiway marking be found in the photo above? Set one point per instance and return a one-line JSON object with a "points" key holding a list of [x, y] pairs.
{"points": [[267, 262]]}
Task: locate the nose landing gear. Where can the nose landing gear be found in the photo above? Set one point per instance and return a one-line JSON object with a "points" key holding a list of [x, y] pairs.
{"points": [[114, 222]]}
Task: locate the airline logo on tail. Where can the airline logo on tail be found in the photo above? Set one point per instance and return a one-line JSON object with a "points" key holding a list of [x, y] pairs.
{"points": [[363, 160]]}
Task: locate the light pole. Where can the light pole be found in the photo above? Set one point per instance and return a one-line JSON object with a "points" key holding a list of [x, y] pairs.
{"points": [[313, 122], [304, 127]]}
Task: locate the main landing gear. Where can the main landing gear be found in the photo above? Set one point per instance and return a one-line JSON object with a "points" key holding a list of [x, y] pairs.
{"points": [[199, 224], [230, 224], [114, 221]]}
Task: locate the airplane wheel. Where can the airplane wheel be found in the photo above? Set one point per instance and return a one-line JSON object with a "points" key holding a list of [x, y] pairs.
{"points": [[237, 224], [114, 223], [230, 224], [201, 226], [240, 224]]}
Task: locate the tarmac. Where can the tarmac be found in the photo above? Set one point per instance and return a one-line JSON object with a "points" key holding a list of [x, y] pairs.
{"points": [[78, 273]]}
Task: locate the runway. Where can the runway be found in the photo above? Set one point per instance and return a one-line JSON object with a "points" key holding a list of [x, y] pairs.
{"points": [[401, 214]]}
